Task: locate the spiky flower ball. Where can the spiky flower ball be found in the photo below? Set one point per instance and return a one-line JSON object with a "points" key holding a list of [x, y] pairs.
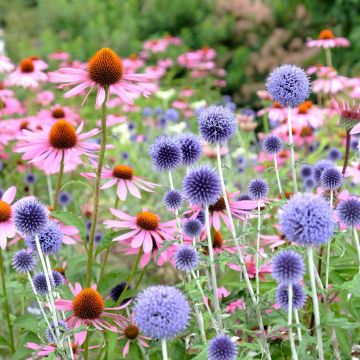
{"points": [[64, 198], [190, 147], [216, 124], [23, 261], [288, 85], [320, 166], [173, 199], [162, 312], [58, 278], [40, 284], [166, 153], [306, 171], [88, 304], [287, 267], [202, 186], [331, 179], [349, 212], [334, 154], [186, 258], [258, 189], [30, 216], [307, 220], [116, 292], [222, 348], [272, 144], [193, 228], [298, 298], [50, 332]]}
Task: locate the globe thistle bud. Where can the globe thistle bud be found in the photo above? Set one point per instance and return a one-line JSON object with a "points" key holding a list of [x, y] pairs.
{"points": [[288, 267], [173, 199], [40, 284], [222, 348], [116, 292], [23, 261], [298, 298], [272, 144], [186, 258], [306, 171], [320, 166], [349, 212], [62, 327], [258, 189], [193, 228], [190, 147], [331, 179]]}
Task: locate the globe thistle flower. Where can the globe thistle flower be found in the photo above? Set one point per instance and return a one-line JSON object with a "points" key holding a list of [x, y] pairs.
{"points": [[62, 327], [216, 124], [258, 189], [30, 216], [309, 183], [98, 236], [202, 186], [186, 258], [40, 284], [306, 171], [272, 144], [201, 216], [298, 299], [64, 198], [331, 179], [245, 196], [30, 179], [24, 261], [287, 267], [116, 292], [334, 154], [288, 85], [349, 212], [320, 166], [222, 348], [307, 220], [162, 312], [173, 199], [190, 147], [58, 278], [166, 154], [193, 228], [50, 239]]}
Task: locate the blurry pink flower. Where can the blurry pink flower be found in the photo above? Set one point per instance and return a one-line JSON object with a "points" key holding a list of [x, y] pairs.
{"points": [[45, 98], [112, 120], [133, 63], [222, 293], [187, 92], [59, 55], [10, 106], [328, 40], [7, 227], [160, 45], [328, 82], [58, 112], [233, 306], [272, 241], [39, 64], [5, 64]]}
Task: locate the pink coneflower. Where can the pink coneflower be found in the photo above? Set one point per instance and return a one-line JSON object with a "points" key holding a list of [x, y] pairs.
{"points": [[219, 245], [234, 305], [146, 229], [59, 55], [112, 120], [104, 70], [48, 145], [10, 106], [123, 177], [45, 98], [88, 308], [7, 228], [38, 63], [328, 82], [349, 115], [58, 112], [328, 40], [5, 64], [133, 62]]}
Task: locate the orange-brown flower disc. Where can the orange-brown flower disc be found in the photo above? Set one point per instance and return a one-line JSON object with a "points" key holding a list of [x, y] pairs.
{"points": [[58, 113], [27, 66], [218, 206], [218, 240], [5, 211], [124, 172], [105, 67], [147, 220], [326, 34], [62, 135], [88, 304], [131, 332]]}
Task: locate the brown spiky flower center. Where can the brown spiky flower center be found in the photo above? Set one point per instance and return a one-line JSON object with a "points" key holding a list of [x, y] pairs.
{"points": [[27, 66], [131, 332], [218, 206], [124, 172], [147, 220], [5, 211], [58, 113], [218, 240], [326, 34], [306, 131], [62, 135], [88, 304], [105, 67]]}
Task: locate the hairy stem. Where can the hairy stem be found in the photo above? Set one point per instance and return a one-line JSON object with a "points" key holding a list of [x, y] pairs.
{"points": [[277, 176], [291, 335], [291, 143]]}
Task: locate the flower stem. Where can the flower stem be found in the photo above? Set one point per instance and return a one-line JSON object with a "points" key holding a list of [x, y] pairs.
{"points": [[291, 142], [58, 182], [164, 349], [347, 152], [97, 192], [291, 336], [257, 250], [328, 57], [266, 122], [328, 250], [6, 305], [297, 320], [49, 185], [356, 238], [178, 222], [277, 176]]}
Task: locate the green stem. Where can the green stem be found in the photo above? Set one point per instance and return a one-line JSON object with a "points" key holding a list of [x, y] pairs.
{"points": [[266, 123], [58, 182], [291, 143], [6, 304]]}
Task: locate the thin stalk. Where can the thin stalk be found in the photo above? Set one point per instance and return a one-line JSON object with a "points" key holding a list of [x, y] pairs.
{"points": [[291, 335], [328, 249], [266, 122], [315, 303], [297, 320], [178, 222], [356, 238], [328, 57], [277, 176], [293, 170], [50, 191], [58, 182], [200, 321], [347, 152], [164, 349], [6, 305], [257, 250], [97, 192]]}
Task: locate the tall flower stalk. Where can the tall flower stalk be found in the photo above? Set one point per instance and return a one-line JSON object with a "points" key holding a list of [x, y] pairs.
{"points": [[58, 182], [291, 335], [292, 151]]}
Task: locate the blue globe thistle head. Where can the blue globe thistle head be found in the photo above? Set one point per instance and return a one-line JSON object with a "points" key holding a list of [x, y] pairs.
{"points": [[331, 179], [272, 144], [334, 154], [147, 111], [173, 199], [172, 114], [287, 267], [247, 112], [216, 124], [116, 292], [314, 146], [30, 179], [193, 228], [231, 106], [226, 98], [241, 160], [30, 216], [349, 212], [222, 348], [1, 193], [201, 217], [131, 126], [162, 121], [50, 239], [186, 258], [58, 278], [244, 196], [354, 143], [289, 85], [162, 312], [40, 284], [50, 332], [320, 166], [202, 186], [190, 147], [258, 189], [64, 198], [307, 220], [309, 183], [124, 155], [24, 261], [306, 171], [98, 236], [298, 298], [165, 153]]}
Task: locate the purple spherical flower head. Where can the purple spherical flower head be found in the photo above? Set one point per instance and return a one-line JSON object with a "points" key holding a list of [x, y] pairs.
{"points": [[222, 348], [165, 153], [23, 261], [307, 220], [116, 292], [258, 189], [58, 278], [306, 171], [62, 327], [190, 147], [186, 258], [331, 179], [309, 183], [349, 212], [40, 283], [216, 124], [64, 198], [298, 299], [193, 228], [30, 179], [202, 186], [288, 85], [162, 312], [272, 144], [173, 199], [334, 154], [320, 166], [287, 267]]}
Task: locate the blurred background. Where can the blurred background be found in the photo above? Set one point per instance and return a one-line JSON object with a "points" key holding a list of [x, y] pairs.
{"points": [[250, 36]]}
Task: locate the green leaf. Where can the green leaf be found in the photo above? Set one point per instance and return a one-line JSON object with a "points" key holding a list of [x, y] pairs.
{"points": [[78, 182], [27, 322], [3, 343], [163, 248], [106, 242], [70, 219]]}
